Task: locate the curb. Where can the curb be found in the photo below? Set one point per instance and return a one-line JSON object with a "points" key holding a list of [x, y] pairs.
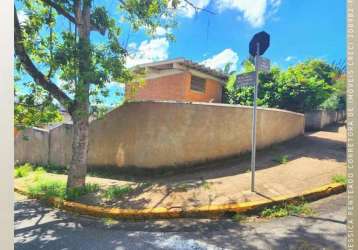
{"points": [[207, 210]]}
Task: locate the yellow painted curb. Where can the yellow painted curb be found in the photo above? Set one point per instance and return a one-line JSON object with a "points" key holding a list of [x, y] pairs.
{"points": [[207, 210]]}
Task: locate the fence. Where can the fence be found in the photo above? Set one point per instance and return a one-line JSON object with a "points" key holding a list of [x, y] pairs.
{"points": [[32, 145], [156, 134], [317, 120]]}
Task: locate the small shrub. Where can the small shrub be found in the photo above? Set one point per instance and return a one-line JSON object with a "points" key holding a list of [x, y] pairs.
{"points": [[340, 179], [293, 208], [57, 188], [38, 173], [206, 185], [298, 209], [23, 171], [114, 192], [282, 159], [275, 211], [109, 221], [75, 193], [56, 169], [239, 217], [48, 188]]}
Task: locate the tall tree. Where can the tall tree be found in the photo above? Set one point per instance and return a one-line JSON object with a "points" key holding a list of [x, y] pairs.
{"points": [[34, 109], [56, 46], [301, 88]]}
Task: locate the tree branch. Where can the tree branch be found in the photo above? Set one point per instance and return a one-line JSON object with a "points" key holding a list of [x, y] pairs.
{"points": [[102, 30], [196, 8], [60, 10], [37, 75]]}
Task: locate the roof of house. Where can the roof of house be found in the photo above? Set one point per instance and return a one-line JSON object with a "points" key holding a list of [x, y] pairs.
{"points": [[170, 64]]}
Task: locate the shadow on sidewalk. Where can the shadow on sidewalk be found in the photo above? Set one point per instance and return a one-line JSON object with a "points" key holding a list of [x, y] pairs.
{"points": [[308, 146]]}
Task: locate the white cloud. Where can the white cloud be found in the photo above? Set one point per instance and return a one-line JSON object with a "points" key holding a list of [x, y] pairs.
{"points": [[275, 3], [274, 6], [147, 51], [22, 16], [219, 60], [253, 11], [160, 31], [290, 58], [186, 10]]}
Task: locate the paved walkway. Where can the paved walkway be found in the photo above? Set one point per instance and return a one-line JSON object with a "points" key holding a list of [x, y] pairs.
{"points": [[313, 160]]}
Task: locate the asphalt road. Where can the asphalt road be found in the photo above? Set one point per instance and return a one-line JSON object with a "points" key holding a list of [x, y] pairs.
{"points": [[41, 227]]}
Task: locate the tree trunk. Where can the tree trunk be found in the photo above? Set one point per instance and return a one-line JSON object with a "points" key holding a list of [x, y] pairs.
{"points": [[78, 167], [80, 113]]}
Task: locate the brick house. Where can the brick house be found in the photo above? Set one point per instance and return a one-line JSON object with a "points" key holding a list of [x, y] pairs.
{"points": [[178, 80]]}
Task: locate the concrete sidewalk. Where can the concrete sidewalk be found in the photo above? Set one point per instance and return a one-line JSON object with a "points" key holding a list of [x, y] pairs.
{"points": [[313, 160]]}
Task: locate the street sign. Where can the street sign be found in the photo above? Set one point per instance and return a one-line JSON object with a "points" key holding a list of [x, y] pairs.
{"points": [[259, 43], [246, 79], [263, 64], [257, 47]]}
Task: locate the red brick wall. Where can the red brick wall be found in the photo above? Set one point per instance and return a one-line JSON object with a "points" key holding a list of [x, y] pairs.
{"points": [[176, 87], [213, 91], [163, 88]]}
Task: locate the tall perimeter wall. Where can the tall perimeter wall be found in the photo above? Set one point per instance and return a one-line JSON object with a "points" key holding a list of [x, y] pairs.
{"points": [[156, 134], [319, 119]]}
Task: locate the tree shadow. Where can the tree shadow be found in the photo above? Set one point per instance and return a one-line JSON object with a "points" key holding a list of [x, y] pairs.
{"points": [[308, 146], [157, 189], [333, 127], [59, 230]]}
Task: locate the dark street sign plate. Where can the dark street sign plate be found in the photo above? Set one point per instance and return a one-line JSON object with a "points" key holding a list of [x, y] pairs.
{"points": [[263, 39], [246, 79], [263, 64]]}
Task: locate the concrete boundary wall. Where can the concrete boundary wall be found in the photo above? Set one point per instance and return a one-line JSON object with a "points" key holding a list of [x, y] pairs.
{"points": [[60, 143], [153, 134], [317, 120], [156, 134], [32, 145]]}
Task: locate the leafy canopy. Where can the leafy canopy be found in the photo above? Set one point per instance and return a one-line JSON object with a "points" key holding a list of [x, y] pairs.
{"points": [[50, 38], [35, 109], [303, 87]]}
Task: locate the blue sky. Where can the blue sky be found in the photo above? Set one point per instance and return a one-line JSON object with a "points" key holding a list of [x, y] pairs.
{"points": [[299, 29]]}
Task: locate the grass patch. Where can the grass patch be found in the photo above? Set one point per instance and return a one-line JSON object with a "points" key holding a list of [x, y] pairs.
{"points": [[206, 185], [292, 208], [281, 159], [75, 193], [27, 169], [239, 217], [109, 221], [115, 192], [57, 188], [47, 189], [275, 211], [23, 170], [38, 173], [55, 169], [340, 179]]}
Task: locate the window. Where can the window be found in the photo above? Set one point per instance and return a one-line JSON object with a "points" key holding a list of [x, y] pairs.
{"points": [[197, 84]]}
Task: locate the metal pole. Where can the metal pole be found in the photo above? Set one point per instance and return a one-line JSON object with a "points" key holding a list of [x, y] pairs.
{"points": [[253, 142]]}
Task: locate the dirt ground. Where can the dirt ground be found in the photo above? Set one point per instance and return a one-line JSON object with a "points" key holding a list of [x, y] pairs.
{"points": [[312, 161]]}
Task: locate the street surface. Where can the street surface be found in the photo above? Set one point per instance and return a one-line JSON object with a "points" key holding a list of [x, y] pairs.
{"points": [[40, 227]]}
